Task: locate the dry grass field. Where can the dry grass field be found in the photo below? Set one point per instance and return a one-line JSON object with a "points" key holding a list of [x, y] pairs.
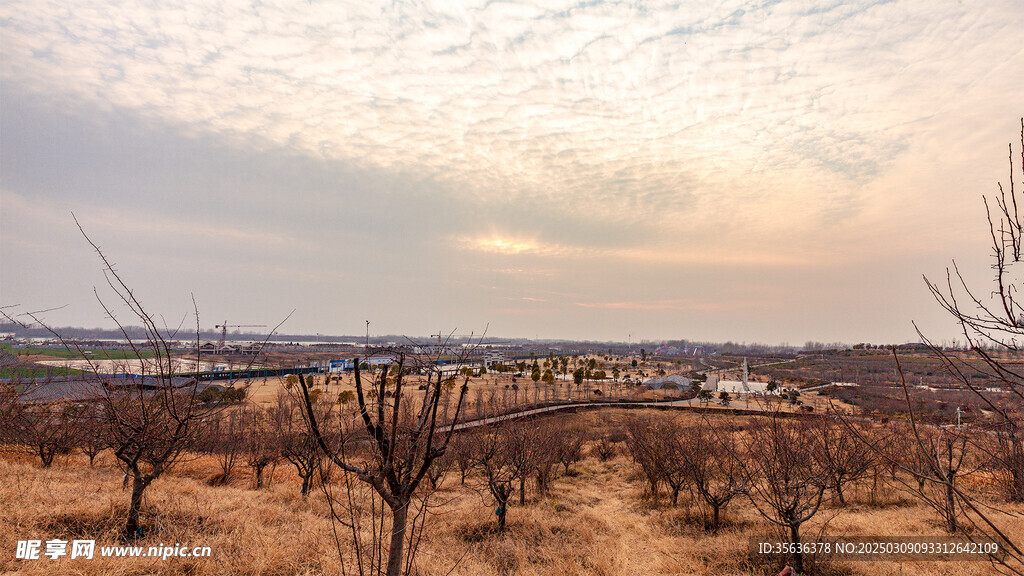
{"points": [[597, 520]]}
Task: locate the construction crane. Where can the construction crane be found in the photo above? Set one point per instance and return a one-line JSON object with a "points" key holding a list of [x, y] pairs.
{"points": [[224, 329]]}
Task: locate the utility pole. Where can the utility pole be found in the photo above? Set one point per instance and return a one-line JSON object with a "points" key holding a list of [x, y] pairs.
{"points": [[366, 348]]}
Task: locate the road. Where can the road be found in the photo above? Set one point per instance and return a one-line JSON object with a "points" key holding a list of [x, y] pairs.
{"points": [[692, 403]]}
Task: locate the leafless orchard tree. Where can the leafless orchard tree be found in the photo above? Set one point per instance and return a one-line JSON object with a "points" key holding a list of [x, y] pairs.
{"points": [[462, 450], [45, 429], [501, 459], [153, 424], [402, 442], [714, 471], [1008, 452], [93, 431], [935, 460], [261, 445], [992, 323], [605, 448], [569, 447], [841, 452], [224, 439], [664, 437], [549, 440], [786, 482], [524, 440], [946, 454], [643, 449], [151, 420], [297, 444]]}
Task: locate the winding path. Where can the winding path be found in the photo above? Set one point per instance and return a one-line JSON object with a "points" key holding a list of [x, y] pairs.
{"points": [[691, 404]]}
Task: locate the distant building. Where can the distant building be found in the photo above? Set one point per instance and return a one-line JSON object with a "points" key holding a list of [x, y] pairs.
{"points": [[742, 386], [675, 381], [493, 357], [250, 349], [346, 364]]}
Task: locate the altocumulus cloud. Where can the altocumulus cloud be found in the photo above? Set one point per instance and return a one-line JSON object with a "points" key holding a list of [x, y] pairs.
{"points": [[670, 126]]}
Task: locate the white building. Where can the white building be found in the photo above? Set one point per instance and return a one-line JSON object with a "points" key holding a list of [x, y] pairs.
{"points": [[739, 387], [744, 386]]}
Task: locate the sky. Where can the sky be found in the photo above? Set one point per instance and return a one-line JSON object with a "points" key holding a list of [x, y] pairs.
{"points": [[768, 171]]}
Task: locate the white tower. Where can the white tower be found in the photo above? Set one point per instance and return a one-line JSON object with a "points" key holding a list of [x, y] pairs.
{"points": [[746, 375]]}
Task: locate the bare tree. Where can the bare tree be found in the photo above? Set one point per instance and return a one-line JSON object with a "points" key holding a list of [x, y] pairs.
{"points": [[659, 441], [153, 418], [261, 445], [93, 431], [223, 438], [462, 450], [404, 441], [569, 447], [992, 323], [547, 442], [605, 448], [945, 453], [501, 459], [786, 483], [1008, 453], [644, 452], [842, 454], [714, 470], [525, 440], [45, 429], [297, 444]]}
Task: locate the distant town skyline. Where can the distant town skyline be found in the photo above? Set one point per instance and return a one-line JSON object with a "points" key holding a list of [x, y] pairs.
{"points": [[770, 172]]}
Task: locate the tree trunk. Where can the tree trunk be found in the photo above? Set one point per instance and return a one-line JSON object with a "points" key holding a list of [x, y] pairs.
{"points": [[951, 522], [1016, 465], [715, 515], [1017, 489], [259, 477], [522, 490], [542, 481], [131, 529], [46, 454], [396, 552], [798, 556], [502, 511]]}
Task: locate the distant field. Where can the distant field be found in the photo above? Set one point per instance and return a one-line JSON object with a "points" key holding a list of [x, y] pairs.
{"points": [[98, 353], [36, 371]]}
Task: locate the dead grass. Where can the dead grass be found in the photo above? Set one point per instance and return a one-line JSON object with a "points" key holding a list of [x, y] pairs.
{"points": [[596, 522]]}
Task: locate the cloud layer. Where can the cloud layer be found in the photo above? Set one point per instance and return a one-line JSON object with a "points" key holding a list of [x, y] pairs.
{"points": [[558, 139]]}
